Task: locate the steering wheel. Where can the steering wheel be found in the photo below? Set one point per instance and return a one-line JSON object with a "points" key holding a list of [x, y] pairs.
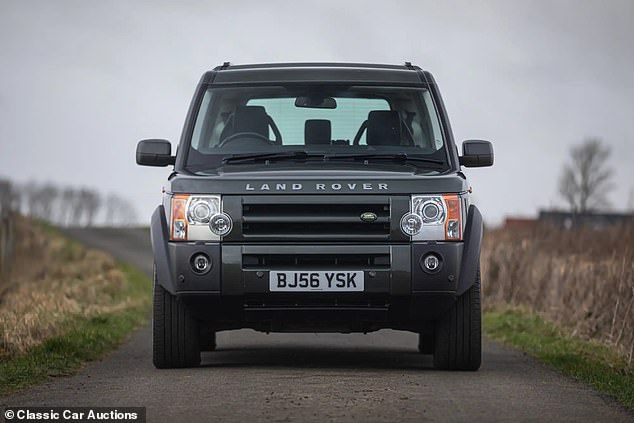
{"points": [[276, 131], [252, 135]]}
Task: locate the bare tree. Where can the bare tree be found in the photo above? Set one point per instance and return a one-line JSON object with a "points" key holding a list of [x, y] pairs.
{"points": [[585, 181], [6, 197], [31, 198], [65, 206], [110, 209], [16, 200], [77, 209], [119, 211], [128, 213], [93, 202], [6, 232], [41, 200], [48, 196]]}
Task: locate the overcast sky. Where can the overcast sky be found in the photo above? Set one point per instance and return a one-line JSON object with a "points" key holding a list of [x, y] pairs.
{"points": [[82, 81]]}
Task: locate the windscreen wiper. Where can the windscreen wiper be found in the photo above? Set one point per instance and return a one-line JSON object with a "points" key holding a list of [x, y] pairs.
{"points": [[398, 157], [280, 155]]}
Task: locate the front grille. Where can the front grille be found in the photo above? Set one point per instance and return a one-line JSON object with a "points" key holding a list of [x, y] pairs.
{"points": [[316, 301], [316, 217], [316, 261]]}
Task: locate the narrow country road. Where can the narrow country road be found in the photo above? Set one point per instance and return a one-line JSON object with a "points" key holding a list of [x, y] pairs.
{"points": [[378, 377]]}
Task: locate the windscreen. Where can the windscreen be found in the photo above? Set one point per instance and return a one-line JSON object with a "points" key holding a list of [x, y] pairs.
{"points": [[337, 120]]}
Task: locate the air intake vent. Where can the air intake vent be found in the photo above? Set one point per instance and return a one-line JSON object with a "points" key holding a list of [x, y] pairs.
{"points": [[317, 217], [316, 261]]}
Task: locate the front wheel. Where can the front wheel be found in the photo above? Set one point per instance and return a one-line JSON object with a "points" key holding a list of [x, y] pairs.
{"points": [[426, 341], [174, 331], [207, 340], [458, 335]]}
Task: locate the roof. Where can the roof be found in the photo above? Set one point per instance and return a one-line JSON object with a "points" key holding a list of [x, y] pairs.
{"points": [[363, 73]]}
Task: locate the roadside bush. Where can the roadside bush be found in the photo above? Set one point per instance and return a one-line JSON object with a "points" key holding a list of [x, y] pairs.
{"points": [[52, 282], [582, 279]]}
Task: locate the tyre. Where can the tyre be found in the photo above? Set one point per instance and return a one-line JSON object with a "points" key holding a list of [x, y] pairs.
{"points": [[207, 340], [174, 331], [426, 341], [458, 335]]}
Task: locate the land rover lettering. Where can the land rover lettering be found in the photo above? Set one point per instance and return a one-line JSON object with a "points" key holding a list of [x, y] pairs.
{"points": [[336, 186]]}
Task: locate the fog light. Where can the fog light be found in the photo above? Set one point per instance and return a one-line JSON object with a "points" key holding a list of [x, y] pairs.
{"points": [[200, 263], [411, 224], [220, 224], [431, 263]]}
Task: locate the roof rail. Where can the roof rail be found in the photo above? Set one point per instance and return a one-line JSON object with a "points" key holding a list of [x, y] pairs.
{"points": [[309, 64]]}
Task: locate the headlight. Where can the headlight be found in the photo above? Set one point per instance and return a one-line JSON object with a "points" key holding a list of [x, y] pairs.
{"points": [[430, 209], [434, 218], [220, 224], [411, 224], [192, 216], [200, 209]]}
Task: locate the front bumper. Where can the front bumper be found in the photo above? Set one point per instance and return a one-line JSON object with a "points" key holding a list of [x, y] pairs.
{"points": [[231, 274], [397, 288]]}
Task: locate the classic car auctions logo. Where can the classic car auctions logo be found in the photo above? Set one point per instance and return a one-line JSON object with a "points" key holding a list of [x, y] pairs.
{"points": [[366, 186]]}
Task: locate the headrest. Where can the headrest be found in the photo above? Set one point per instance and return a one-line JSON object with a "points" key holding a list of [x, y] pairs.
{"points": [[251, 119], [384, 128], [317, 131]]}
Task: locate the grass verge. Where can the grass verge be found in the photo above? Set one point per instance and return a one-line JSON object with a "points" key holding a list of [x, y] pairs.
{"points": [[82, 339], [586, 361]]}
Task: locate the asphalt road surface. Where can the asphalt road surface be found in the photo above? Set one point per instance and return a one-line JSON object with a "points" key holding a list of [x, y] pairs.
{"points": [[379, 377]]}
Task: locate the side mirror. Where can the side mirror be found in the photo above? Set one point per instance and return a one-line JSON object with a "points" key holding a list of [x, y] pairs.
{"points": [[154, 153], [476, 153]]}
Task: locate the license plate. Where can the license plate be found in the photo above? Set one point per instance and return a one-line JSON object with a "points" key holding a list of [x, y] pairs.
{"points": [[318, 281]]}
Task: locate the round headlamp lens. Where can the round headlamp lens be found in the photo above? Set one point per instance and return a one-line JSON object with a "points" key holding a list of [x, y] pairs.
{"points": [[220, 224], [200, 210], [411, 224], [431, 210]]}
